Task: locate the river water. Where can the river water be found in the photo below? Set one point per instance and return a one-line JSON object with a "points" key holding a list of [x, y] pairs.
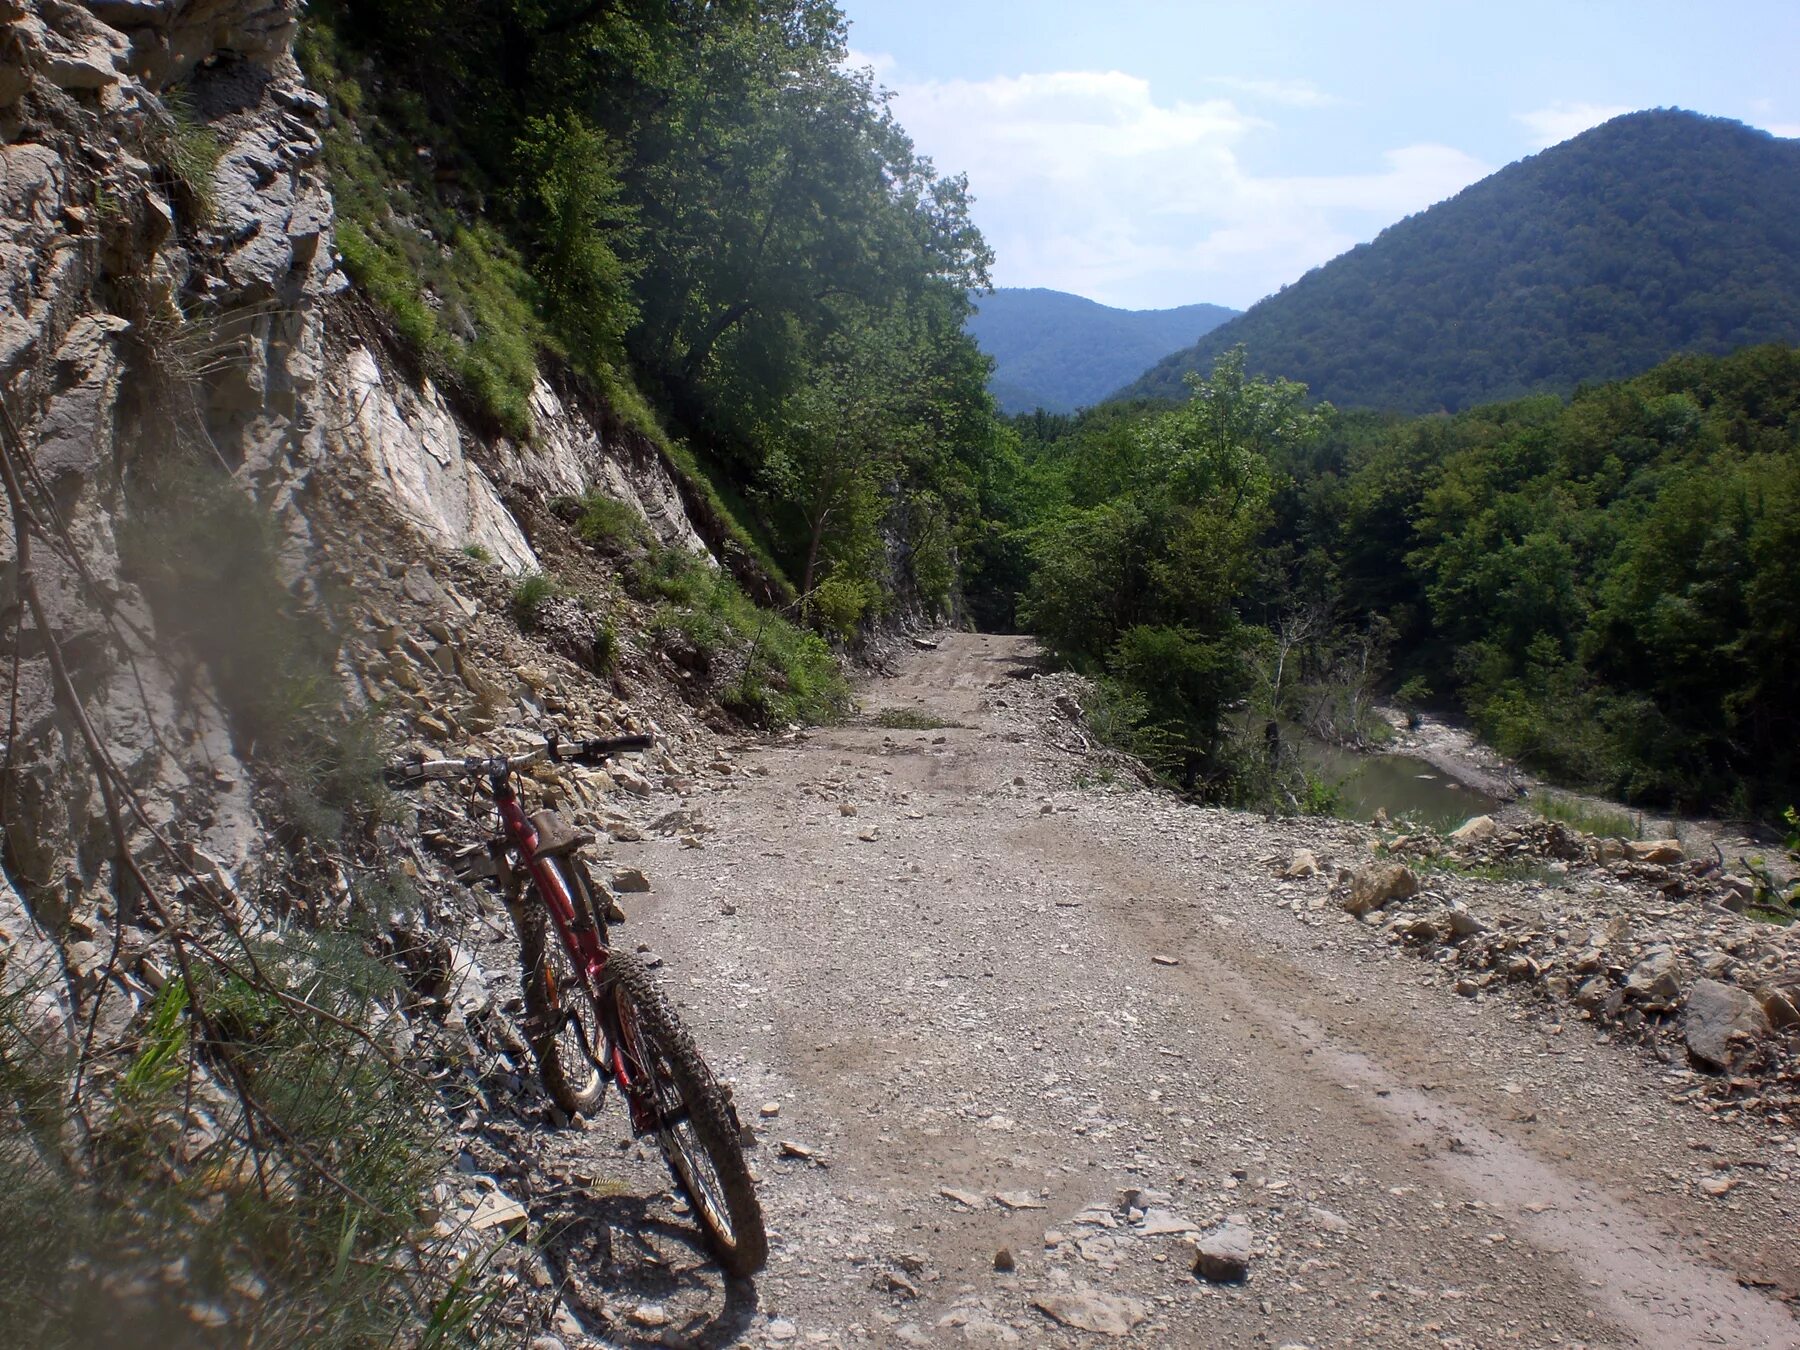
{"points": [[1407, 788]]}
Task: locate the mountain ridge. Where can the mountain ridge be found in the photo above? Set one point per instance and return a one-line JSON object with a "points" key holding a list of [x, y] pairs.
{"points": [[1655, 233], [1059, 351]]}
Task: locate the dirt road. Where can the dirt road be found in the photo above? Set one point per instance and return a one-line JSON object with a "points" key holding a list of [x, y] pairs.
{"points": [[992, 1003]]}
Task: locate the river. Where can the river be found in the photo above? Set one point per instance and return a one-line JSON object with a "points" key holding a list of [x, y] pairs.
{"points": [[1405, 786]]}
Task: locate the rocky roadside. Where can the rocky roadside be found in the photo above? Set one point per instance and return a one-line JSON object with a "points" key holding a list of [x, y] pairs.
{"points": [[1628, 934]]}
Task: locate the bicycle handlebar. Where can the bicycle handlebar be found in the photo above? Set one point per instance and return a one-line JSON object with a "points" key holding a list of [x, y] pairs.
{"points": [[594, 752]]}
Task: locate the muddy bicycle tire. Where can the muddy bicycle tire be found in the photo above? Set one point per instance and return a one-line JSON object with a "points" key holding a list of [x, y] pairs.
{"points": [[701, 1148], [558, 1016]]}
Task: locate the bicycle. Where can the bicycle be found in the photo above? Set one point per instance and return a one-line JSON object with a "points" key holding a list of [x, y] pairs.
{"points": [[643, 1046]]}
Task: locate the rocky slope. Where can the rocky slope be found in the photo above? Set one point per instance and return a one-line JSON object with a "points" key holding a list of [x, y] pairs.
{"points": [[140, 322], [172, 298]]}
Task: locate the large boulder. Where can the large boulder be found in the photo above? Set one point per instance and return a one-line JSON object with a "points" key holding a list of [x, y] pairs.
{"points": [[1475, 830], [1722, 1024], [1655, 850], [1374, 886], [1222, 1256]]}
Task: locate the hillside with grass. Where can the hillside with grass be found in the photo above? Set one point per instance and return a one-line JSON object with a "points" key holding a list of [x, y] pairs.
{"points": [[701, 216], [1657, 233], [1060, 352]]}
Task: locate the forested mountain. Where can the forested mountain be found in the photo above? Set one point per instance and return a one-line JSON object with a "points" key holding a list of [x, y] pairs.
{"points": [[1060, 352], [1657, 233]]}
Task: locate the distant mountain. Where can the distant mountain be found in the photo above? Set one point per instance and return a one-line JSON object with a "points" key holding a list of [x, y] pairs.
{"points": [[1656, 233], [1060, 352]]}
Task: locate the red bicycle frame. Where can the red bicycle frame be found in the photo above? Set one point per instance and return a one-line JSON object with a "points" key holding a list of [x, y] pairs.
{"points": [[582, 942]]}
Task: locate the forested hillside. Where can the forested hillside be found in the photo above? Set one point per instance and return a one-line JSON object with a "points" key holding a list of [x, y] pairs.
{"points": [[1658, 233], [1610, 586], [1060, 352], [697, 208]]}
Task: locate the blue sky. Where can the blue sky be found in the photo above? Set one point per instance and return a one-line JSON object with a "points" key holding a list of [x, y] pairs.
{"points": [[1147, 153]]}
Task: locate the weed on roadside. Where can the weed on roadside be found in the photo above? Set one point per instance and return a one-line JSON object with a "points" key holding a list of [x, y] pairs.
{"points": [[912, 719], [1587, 817], [529, 597]]}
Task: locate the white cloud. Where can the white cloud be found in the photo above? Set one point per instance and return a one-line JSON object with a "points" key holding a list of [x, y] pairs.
{"points": [[1289, 93], [1084, 181], [1560, 121], [880, 62]]}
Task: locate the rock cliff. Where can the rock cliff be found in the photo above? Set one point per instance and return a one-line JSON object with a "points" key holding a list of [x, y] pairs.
{"points": [[170, 296], [144, 312]]}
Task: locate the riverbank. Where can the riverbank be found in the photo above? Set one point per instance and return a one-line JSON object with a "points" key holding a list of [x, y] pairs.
{"points": [[1463, 758]]}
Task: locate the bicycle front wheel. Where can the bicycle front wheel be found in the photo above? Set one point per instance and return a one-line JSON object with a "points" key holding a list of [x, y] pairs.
{"points": [[693, 1118], [554, 1003]]}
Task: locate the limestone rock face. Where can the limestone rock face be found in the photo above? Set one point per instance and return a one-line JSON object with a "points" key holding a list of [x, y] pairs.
{"points": [[134, 323]]}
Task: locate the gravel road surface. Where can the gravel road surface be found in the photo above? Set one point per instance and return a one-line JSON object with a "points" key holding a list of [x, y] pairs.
{"points": [[1015, 1040]]}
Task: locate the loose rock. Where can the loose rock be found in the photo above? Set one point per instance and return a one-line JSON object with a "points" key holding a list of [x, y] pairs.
{"points": [[1373, 887], [1722, 1025], [1090, 1310], [1223, 1255]]}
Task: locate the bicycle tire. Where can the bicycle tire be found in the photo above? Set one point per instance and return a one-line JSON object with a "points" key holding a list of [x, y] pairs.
{"points": [[554, 1000], [701, 1148]]}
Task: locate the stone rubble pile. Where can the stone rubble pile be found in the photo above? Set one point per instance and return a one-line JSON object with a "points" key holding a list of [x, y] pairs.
{"points": [[1630, 934]]}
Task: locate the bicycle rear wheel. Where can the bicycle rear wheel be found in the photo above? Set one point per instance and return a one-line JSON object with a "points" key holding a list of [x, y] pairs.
{"points": [[554, 1003], [694, 1121]]}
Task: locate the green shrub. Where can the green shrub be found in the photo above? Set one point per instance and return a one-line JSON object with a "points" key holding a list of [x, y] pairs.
{"points": [[606, 647], [1319, 796], [838, 604], [531, 593], [786, 674], [607, 521], [1589, 819], [1119, 716]]}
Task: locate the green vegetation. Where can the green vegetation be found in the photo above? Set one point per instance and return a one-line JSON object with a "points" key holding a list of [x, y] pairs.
{"points": [[1599, 821], [1141, 551], [607, 521], [189, 151], [251, 1138], [530, 594], [764, 667], [1776, 901], [1060, 352], [1657, 233], [911, 719], [1610, 586]]}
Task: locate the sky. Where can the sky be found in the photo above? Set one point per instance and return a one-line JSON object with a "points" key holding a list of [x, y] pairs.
{"points": [[1153, 153]]}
